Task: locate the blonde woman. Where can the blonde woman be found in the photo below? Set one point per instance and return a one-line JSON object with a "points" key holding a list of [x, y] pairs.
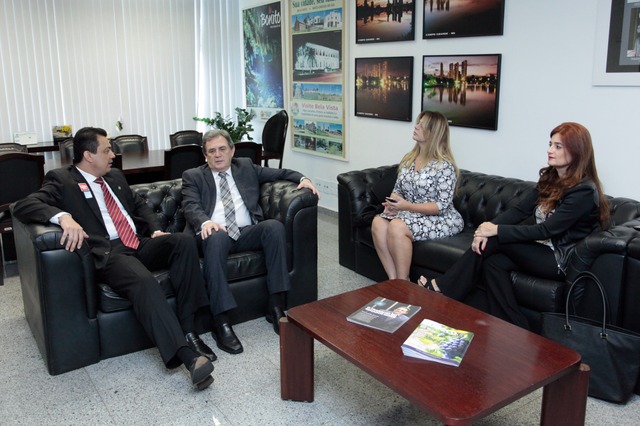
{"points": [[421, 204]]}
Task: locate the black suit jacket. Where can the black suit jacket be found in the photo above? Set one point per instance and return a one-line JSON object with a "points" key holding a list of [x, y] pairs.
{"points": [[61, 192], [199, 189]]}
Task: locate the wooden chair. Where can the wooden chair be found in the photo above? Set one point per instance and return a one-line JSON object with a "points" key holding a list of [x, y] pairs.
{"points": [[20, 175], [129, 143], [249, 149], [181, 158], [12, 147], [274, 135], [186, 137]]}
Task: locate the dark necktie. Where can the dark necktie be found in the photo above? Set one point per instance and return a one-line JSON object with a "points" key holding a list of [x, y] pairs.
{"points": [[125, 232], [229, 208]]}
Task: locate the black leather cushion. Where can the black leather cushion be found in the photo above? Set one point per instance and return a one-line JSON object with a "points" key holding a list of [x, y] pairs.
{"points": [[384, 186], [110, 301], [165, 198]]}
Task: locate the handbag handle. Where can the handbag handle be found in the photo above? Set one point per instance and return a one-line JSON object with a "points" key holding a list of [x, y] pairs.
{"points": [[583, 275]]}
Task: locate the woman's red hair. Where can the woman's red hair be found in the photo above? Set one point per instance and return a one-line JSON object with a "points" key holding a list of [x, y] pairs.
{"points": [[576, 139]]}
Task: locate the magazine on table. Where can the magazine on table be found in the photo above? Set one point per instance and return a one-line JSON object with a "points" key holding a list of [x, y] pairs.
{"points": [[384, 314], [437, 342]]}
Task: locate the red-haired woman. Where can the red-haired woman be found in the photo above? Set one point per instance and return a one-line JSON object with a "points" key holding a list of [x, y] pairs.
{"points": [[568, 204]]}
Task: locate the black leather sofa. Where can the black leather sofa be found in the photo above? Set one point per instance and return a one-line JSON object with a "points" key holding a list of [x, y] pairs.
{"points": [[77, 321], [613, 255]]}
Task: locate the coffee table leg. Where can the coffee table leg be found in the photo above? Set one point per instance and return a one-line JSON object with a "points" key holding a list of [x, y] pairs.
{"points": [[564, 402], [296, 363]]}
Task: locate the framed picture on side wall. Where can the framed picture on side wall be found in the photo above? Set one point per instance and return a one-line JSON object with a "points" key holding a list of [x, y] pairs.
{"points": [[617, 48], [380, 21], [464, 88], [384, 87], [445, 18]]}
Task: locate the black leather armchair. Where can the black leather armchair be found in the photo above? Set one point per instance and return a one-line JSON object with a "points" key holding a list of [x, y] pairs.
{"points": [[480, 198], [181, 158], [185, 137], [77, 321], [274, 135], [129, 143]]}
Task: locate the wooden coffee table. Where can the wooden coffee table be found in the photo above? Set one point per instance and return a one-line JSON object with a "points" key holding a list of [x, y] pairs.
{"points": [[503, 362]]}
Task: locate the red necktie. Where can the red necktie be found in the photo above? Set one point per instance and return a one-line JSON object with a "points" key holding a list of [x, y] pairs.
{"points": [[125, 232]]}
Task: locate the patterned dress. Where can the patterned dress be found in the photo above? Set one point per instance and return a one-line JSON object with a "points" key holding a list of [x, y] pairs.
{"points": [[435, 182]]}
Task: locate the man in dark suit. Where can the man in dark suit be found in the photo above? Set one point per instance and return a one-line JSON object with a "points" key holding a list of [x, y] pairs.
{"points": [[93, 203], [220, 202]]}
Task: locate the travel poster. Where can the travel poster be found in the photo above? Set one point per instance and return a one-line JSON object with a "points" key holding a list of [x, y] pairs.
{"points": [[263, 60], [317, 77]]}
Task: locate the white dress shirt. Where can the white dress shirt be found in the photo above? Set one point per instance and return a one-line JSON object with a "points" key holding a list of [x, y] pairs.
{"points": [[243, 217], [96, 190]]}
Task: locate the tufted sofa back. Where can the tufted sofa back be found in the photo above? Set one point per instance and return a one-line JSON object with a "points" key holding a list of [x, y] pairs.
{"points": [[165, 198], [480, 197]]}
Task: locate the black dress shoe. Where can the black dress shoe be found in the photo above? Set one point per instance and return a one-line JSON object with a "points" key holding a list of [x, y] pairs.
{"points": [[200, 372], [273, 316], [226, 339], [200, 347]]}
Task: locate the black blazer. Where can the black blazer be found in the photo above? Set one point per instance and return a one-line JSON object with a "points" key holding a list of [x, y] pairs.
{"points": [[61, 192], [199, 189], [576, 215]]}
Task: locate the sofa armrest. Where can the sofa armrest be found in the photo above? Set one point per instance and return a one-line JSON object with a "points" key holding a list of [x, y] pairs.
{"points": [[614, 240], [355, 195], [606, 254], [298, 211], [59, 296]]}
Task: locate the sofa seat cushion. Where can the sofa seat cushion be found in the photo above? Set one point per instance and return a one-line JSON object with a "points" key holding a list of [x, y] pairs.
{"points": [[240, 267], [440, 254], [110, 301], [435, 255]]}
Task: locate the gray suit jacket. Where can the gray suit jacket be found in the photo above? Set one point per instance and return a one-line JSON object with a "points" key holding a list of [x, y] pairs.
{"points": [[199, 189]]}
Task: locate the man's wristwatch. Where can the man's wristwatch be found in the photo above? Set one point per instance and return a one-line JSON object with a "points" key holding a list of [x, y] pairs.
{"points": [[303, 178]]}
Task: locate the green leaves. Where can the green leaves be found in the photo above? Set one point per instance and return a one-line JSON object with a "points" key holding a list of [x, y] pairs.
{"points": [[236, 130]]}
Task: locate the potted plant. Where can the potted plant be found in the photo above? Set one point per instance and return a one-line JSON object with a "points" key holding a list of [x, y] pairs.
{"points": [[236, 130]]}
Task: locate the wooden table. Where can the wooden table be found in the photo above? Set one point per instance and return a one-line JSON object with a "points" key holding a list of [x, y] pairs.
{"points": [[503, 362], [139, 167], [47, 146]]}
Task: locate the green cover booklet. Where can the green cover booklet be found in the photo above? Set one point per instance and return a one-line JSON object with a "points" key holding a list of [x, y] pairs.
{"points": [[437, 342]]}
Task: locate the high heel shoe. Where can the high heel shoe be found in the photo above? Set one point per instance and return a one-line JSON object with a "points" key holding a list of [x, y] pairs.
{"points": [[428, 284]]}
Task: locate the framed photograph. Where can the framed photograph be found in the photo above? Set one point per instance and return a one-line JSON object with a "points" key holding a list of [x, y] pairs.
{"points": [[464, 88], [445, 18], [384, 87], [617, 49], [380, 21]]}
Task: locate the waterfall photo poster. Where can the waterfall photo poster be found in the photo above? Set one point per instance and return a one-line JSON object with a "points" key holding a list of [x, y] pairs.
{"points": [[263, 59]]}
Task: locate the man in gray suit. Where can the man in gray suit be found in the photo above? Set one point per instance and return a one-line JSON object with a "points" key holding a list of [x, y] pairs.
{"points": [[220, 202]]}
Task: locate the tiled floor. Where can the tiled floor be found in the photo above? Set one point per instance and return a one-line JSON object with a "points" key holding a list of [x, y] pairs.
{"points": [[136, 389]]}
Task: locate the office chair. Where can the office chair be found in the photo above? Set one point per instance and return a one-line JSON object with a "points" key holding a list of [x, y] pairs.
{"points": [[129, 143], [249, 149], [20, 175], [181, 158], [273, 136], [186, 137], [66, 151]]}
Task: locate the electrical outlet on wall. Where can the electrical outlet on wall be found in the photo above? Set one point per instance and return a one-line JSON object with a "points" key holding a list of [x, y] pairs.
{"points": [[326, 187]]}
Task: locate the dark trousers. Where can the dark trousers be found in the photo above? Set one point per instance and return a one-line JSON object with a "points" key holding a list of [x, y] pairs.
{"points": [[127, 272], [493, 270], [268, 236]]}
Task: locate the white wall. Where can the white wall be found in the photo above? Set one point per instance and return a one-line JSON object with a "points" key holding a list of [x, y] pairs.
{"points": [[547, 61]]}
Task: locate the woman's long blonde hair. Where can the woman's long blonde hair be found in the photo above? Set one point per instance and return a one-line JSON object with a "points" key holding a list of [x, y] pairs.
{"points": [[435, 128]]}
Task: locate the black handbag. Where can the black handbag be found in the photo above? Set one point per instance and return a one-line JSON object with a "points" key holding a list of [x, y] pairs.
{"points": [[612, 353]]}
